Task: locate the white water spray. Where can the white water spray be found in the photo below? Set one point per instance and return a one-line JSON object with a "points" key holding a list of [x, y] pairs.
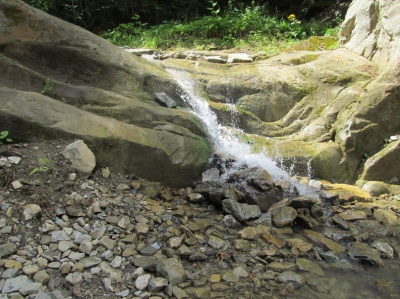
{"points": [[225, 143]]}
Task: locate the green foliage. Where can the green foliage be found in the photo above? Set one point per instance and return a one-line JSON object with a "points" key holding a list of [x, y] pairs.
{"points": [[44, 166], [48, 86], [4, 137], [236, 27]]}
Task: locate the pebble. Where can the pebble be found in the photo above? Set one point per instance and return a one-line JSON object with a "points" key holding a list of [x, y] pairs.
{"points": [[142, 282]]}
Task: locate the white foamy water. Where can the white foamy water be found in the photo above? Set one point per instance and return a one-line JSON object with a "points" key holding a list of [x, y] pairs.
{"points": [[225, 143]]}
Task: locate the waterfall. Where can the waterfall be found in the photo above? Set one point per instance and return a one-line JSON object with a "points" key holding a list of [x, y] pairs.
{"points": [[224, 140]]}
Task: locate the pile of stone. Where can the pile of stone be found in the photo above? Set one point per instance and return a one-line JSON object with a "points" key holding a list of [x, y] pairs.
{"points": [[120, 237]]}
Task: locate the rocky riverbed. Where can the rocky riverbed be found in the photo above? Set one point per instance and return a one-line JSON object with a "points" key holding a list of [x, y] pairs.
{"points": [[65, 235]]}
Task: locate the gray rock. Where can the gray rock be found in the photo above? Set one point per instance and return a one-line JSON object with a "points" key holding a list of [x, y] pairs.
{"points": [[362, 252], [43, 295], [146, 262], [290, 276], [90, 261], [231, 222], [14, 284], [30, 288], [172, 270], [239, 58], [283, 216], [164, 100], [74, 278], [7, 249], [142, 282], [215, 59], [375, 188], [59, 235], [32, 211], [384, 248], [241, 211], [230, 276], [198, 292], [216, 243], [150, 249], [41, 277], [343, 224], [214, 191], [197, 257], [9, 273], [75, 211], [80, 156], [107, 242], [156, 284], [63, 246]]}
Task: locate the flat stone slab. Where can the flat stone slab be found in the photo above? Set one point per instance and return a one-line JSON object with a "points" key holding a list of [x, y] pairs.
{"points": [[14, 284], [239, 58], [164, 100]]}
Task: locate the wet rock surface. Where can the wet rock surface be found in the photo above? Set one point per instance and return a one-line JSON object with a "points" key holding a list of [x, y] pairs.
{"points": [[116, 236]]}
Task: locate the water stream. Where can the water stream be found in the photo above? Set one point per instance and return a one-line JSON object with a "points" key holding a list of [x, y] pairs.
{"points": [[224, 140]]}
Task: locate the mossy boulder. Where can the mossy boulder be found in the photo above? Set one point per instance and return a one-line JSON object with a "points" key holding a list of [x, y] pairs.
{"points": [[61, 81]]}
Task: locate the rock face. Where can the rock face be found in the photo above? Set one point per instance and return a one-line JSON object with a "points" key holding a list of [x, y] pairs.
{"points": [[60, 81], [329, 109]]}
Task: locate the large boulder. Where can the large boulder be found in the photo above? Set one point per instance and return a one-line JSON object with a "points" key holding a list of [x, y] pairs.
{"points": [[59, 80]]}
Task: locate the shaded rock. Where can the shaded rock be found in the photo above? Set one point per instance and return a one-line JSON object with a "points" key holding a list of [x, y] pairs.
{"points": [[388, 219], [146, 262], [172, 270], [290, 276], [107, 94], [351, 215], [198, 292], [74, 278], [375, 188], [303, 202], [90, 261], [80, 156], [156, 284], [362, 252], [384, 248], [282, 266], [230, 276], [216, 242], [198, 257], [179, 293], [164, 100], [299, 246], [253, 232], [214, 191], [7, 249], [320, 239], [372, 227], [283, 216], [340, 222], [150, 249], [230, 221], [30, 288], [241, 211], [309, 266]]}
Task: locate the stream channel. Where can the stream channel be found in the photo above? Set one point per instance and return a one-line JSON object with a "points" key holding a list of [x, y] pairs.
{"points": [[342, 276]]}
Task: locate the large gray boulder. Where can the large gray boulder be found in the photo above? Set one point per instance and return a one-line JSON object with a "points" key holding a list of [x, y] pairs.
{"points": [[61, 81]]}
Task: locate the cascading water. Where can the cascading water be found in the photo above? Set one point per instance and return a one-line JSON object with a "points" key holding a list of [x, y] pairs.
{"points": [[225, 142]]}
